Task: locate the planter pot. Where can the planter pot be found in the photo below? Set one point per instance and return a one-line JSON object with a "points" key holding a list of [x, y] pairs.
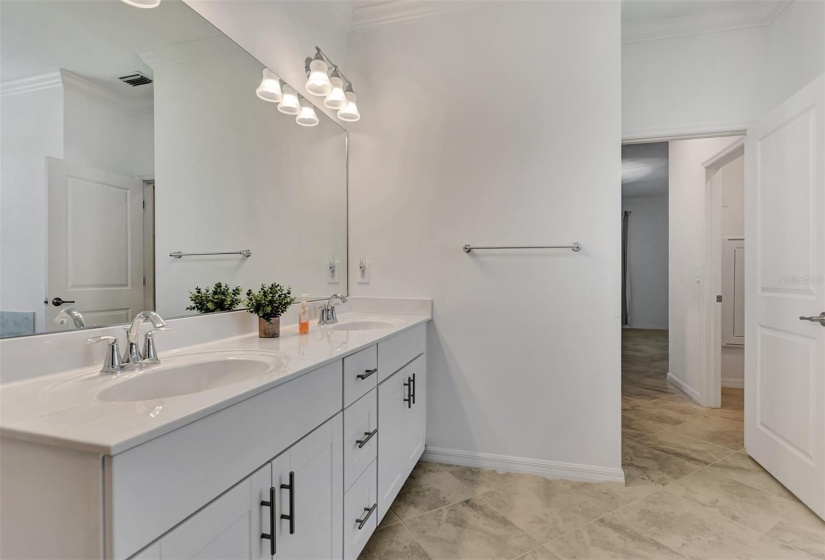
{"points": [[269, 329]]}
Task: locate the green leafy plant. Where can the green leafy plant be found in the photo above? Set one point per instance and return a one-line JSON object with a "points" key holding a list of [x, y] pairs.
{"points": [[270, 301], [218, 298]]}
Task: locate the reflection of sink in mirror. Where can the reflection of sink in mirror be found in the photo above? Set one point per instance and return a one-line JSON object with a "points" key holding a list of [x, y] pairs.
{"points": [[186, 377], [363, 325]]}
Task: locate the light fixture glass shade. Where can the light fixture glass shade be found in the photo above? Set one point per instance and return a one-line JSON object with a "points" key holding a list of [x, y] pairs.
{"points": [[289, 105], [318, 82], [143, 3], [350, 112], [270, 88], [336, 98], [307, 117]]}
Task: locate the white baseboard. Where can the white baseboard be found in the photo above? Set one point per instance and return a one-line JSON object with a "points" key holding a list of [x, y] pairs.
{"points": [[684, 387], [733, 382], [506, 463]]}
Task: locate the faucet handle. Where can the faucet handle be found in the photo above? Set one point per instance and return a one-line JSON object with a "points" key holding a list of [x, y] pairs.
{"points": [[150, 355], [112, 363]]}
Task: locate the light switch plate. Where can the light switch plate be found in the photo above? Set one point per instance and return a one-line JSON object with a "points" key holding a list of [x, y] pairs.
{"points": [[363, 271], [332, 272]]}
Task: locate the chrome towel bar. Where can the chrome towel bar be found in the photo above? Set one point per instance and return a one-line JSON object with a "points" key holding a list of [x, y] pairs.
{"points": [[178, 254], [575, 247]]}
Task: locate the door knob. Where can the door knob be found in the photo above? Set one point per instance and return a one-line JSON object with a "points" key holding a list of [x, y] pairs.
{"points": [[57, 302], [815, 318]]}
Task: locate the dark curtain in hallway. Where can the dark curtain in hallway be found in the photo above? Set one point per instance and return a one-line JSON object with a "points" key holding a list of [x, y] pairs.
{"points": [[625, 313]]}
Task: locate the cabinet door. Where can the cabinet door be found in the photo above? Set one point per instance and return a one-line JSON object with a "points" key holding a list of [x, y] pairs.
{"points": [[415, 415], [391, 448], [311, 496], [226, 529]]}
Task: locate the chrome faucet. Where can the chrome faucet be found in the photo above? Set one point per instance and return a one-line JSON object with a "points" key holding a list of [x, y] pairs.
{"points": [[328, 310], [132, 355], [70, 312]]}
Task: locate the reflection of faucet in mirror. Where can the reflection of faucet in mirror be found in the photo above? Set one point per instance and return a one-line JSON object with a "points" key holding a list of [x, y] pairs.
{"points": [[70, 312], [132, 355], [328, 310]]}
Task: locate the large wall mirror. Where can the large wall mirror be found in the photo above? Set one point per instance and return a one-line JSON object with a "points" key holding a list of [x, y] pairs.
{"points": [[132, 137]]}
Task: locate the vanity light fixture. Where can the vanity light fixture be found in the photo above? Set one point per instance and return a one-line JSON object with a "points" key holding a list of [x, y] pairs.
{"points": [[143, 3], [335, 87], [270, 88], [307, 117], [289, 105]]}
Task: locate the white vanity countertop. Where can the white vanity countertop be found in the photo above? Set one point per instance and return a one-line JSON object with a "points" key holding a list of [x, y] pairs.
{"points": [[63, 409]]}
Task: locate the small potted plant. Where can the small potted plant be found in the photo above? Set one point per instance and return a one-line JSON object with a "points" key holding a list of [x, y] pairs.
{"points": [[213, 300], [269, 303]]}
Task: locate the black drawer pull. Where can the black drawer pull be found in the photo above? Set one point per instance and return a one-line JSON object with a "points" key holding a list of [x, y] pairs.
{"points": [[412, 389], [271, 535], [291, 516], [366, 373], [409, 398], [362, 442], [363, 521]]}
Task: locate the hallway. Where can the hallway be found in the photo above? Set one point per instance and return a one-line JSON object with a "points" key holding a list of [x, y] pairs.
{"points": [[690, 492]]}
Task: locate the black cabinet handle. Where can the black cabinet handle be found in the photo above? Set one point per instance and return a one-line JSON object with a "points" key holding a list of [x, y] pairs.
{"points": [[363, 521], [408, 398], [412, 389], [362, 442], [366, 373], [271, 535], [57, 302], [291, 516]]}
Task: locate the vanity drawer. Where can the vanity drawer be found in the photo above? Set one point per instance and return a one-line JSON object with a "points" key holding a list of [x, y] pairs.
{"points": [[360, 374], [360, 512], [360, 436], [396, 352]]}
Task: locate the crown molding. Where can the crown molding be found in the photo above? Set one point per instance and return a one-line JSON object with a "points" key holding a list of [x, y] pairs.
{"points": [[397, 12], [134, 106], [29, 84], [700, 24], [183, 53]]}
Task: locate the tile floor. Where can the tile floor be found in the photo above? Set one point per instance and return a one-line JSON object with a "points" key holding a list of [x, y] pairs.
{"points": [[690, 492]]}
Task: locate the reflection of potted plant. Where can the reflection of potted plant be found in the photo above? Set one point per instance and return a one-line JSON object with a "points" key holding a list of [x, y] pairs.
{"points": [[212, 300], [269, 303]]}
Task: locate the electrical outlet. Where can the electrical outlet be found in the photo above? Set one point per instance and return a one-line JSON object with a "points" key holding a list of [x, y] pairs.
{"points": [[332, 271], [363, 271]]}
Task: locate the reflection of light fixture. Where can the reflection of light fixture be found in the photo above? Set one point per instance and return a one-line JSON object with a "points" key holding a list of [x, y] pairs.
{"points": [[143, 3], [349, 113], [270, 88], [289, 105], [318, 82], [336, 98], [307, 117]]}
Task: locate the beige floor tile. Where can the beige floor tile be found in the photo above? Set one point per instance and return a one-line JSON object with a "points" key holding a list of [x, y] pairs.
{"points": [[633, 429], [480, 480], [739, 502], [640, 392], [610, 496], [653, 413], [541, 553], [643, 463], [720, 431], [389, 519], [767, 548], [694, 451], [741, 467], [393, 543], [429, 487], [803, 530], [544, 509], [689, 529], [471, 529], [609, 537]]}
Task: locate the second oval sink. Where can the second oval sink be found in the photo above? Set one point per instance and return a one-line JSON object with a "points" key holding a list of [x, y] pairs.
{"points": [[187, 378]]}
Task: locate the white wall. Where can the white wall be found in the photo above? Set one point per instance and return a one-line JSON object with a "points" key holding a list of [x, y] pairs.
{"points": [[647, 261], [687, 200], [32, 129], [524, 352], [234, 173], [283, 33], [720, 82]]}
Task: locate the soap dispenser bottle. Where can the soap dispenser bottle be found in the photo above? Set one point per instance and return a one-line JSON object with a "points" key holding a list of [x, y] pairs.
{"points": [[303, 316]]}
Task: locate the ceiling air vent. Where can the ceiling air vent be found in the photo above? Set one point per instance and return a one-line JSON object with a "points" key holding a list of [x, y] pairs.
{"points": [[136, 79]]}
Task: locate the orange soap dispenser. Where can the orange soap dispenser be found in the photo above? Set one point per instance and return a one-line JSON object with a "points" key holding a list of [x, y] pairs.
{"points": [[303, 316]]}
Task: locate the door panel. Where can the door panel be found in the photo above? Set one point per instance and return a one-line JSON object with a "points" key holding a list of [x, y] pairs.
{"points": [[415, 416], [785, 364], [391, 449]]}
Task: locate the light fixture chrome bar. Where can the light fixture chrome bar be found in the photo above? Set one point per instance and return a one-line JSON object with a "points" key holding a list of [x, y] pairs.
{"points": [[178, 254], [330, 63], [575, 247]]}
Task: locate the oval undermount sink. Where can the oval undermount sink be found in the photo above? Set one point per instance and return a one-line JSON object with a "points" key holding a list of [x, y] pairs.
{"points": [[176, 379], [361, 326]]}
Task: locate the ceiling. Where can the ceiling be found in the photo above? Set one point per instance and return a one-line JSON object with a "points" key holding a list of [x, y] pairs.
{"points": [[644, 170], [98, 41]]}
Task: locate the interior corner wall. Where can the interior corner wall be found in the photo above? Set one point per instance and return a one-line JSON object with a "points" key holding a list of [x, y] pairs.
{"points": [[524, 351], [647, 258], [687, 199]]}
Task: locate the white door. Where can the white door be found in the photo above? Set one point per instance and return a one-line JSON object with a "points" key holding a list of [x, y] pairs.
{"points": [[785, 356], [95, 243]]}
